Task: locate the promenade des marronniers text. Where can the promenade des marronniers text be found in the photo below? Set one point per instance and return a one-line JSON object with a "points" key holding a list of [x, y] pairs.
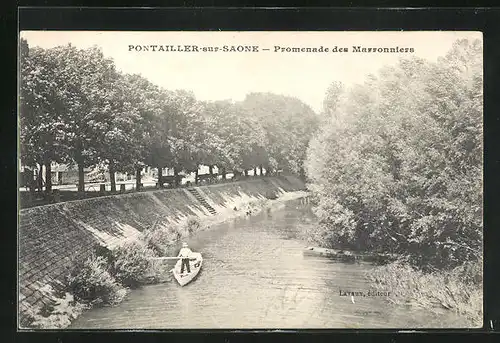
{"points": [[276, 48]]}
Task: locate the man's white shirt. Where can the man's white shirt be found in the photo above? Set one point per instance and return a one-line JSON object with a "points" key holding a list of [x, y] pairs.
{"points": [[185, 252]]}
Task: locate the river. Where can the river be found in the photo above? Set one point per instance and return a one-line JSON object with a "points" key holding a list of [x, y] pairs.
{"points": [[254, 275]]}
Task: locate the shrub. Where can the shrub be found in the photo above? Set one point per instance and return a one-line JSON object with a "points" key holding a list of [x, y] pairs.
{"points": [[57, 315], [159, 238], [90, 282], [132, 264], [105, 253]]}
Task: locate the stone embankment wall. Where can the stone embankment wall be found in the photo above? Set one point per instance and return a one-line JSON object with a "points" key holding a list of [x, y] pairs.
{"points": [[51, 236]]}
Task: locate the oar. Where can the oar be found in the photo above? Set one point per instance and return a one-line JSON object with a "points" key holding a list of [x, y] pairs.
{"points": [[169, 258]]}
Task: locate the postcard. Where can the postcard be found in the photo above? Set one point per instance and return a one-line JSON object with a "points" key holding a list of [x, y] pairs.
{"points": [[250, 180]]}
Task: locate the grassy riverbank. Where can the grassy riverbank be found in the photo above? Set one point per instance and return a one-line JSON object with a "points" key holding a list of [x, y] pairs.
{"points": [[105, 277], [459, 290]]}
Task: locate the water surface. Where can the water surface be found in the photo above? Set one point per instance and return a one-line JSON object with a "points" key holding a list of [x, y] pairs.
{"points": [[255, 276]]}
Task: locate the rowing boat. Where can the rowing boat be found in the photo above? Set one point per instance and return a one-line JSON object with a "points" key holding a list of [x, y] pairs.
{"points": [[195, 263], [315, 251], [345, 255]]}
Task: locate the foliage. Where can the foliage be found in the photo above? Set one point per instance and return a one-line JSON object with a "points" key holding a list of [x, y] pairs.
{"points": [[90, 282], [333, 96], [132, 264], [287, 124], [159, 238], [222, 125], [182, 127], [121, 143], [56, 316], [77, 108], [146, 99], [398, 168], [40, 124], [86, 97], [458, 290]]}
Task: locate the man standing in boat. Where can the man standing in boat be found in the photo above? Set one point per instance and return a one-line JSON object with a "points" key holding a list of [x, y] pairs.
{"points": [[185, 254]]}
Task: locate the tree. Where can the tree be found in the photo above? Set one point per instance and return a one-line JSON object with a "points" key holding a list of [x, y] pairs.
{"points": [[146, 98], [121, 146], [83, 82], [230, 136], [183, 130], [40, 125], [158, 134], [251, 138], [401, 169], [174, 134], [332, 98], [288, 125]]}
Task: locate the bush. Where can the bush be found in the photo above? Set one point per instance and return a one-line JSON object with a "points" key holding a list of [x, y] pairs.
{"points": [[90, 282], [57, 315], [105, 253], [132, 264], [160, 238]]}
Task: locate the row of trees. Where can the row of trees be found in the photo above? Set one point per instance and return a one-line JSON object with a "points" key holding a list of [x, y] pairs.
{"points": [[76, 107], [397, 165]]}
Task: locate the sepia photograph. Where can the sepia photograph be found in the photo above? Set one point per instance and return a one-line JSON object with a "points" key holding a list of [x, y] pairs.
{"points": [[250, 180]]}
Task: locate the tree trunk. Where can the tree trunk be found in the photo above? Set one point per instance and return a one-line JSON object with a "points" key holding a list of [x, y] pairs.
{"points": [[210, 170], [40, 178], [138, 179], [112, 177], [302, 173], [160, 176], [261, 170], [32, 183], [81, 174], [223, 172], [196, 176], [254, 171], [48, 177], [176, 173], [246, 173]]}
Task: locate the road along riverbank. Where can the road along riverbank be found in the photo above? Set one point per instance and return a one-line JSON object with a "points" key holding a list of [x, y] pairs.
{"points": [[53, 237]]}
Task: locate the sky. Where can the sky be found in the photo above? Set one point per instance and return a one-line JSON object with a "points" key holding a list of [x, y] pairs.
{"points": [[231, 75]]}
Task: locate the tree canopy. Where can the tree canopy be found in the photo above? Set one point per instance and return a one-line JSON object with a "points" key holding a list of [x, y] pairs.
{"points": [[76, 107], [287, 125], [399, 166]]}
